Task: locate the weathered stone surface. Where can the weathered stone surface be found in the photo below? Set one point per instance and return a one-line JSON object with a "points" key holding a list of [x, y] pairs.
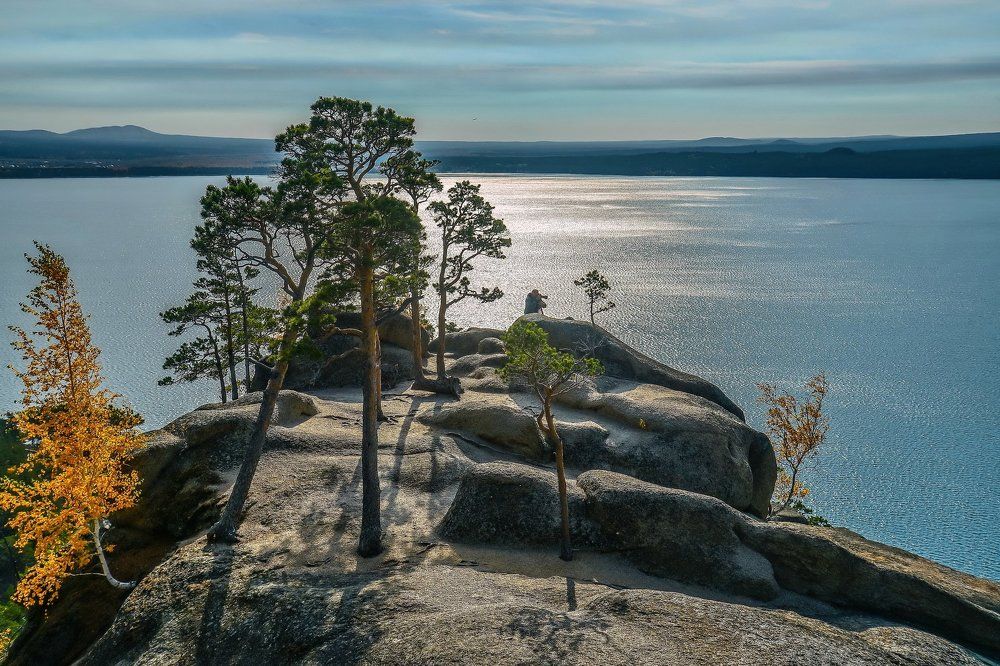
{"points": [[508, 504], [336, 365], [490, 346], [343, 365], [678, 440], [470, 573], [499, 422], [790, 515], [396, 330], [620, 360], [651, 432], [697, 539], [470, 363], [466, 341], [290, 405], [677, 534], [842, 567], [208, 606]]}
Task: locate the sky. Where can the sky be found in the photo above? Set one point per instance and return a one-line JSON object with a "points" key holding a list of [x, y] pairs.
{"points": [[508, 70]]}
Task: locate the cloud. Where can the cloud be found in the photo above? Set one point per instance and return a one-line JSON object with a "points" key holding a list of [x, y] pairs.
{"points": [[668, 76], [257, 58]]}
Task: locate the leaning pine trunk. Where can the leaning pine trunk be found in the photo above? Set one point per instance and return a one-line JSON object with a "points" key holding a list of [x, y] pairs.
{"points": [[370, 541], [245, 327], [219, 371], [442, 384], [378, 375], [442, 325], [230, 349], [95, 531], [416, 341], [566, 547], [225, 529]]}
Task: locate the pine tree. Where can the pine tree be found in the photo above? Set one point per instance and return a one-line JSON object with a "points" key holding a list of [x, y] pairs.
{"points": [[549, 373], [201, 358], [469, 230], [596, 288]]}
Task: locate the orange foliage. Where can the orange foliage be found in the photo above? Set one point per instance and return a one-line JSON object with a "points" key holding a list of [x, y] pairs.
{"points": [[798, 429], [75, 475]]}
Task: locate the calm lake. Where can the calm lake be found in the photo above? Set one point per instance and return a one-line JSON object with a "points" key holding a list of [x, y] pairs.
{"points": [[891, 287]]}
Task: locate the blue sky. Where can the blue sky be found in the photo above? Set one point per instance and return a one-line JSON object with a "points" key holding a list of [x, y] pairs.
{"points": [[555, 69]]}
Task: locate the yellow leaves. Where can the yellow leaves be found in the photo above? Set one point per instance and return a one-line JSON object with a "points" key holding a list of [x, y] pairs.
{"points": [[81, 442], [797, 429], [6, 638]]}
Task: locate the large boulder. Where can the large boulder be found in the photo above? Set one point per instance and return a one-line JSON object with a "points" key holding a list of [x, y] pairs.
{"points": [[470, 363], [396, 330], [466, 341], [673, 439], [334, 363], [490, 346], [508, 504], [620, 360], [839, 566], [497, 421], [288, 408], [341, 364], [699, 539], [677, 534], [181, 465], [657, 434]]}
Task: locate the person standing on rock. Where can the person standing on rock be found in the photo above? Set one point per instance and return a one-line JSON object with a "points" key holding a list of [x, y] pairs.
{"points": [[534, 302]]}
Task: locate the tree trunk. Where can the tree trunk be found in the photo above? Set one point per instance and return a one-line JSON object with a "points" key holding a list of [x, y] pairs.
{"points": [[225, 529], [378, 375], [791, 493], [220, 372], [230, 349], [118, 584], [442, 325], [443, 307], [370, 542], [416, 341], [245, 326], [565, 547], [421, 382]]}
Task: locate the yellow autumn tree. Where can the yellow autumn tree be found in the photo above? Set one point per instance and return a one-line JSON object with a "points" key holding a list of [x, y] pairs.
{"points": [[79, 441], [798, 427]]}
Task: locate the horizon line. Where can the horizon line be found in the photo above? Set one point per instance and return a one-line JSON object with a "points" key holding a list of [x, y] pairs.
{"points": [[536, 141]]}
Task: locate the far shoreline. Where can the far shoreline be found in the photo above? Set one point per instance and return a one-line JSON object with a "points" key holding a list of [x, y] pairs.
{"points": [[82, 174]]}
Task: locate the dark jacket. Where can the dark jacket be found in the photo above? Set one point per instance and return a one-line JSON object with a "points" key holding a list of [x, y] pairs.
{"points": [[533, 304]]}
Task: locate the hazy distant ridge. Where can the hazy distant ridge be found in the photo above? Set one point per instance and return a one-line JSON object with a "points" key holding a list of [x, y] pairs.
{"points": [[132, 150]]}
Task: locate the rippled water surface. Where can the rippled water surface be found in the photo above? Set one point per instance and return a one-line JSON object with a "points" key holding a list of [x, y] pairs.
{"points": [[891, 287]]}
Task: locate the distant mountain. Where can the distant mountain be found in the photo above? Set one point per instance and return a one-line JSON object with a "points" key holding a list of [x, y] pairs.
{"points": [[130, 150], [116, 133], [129, 147]]}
